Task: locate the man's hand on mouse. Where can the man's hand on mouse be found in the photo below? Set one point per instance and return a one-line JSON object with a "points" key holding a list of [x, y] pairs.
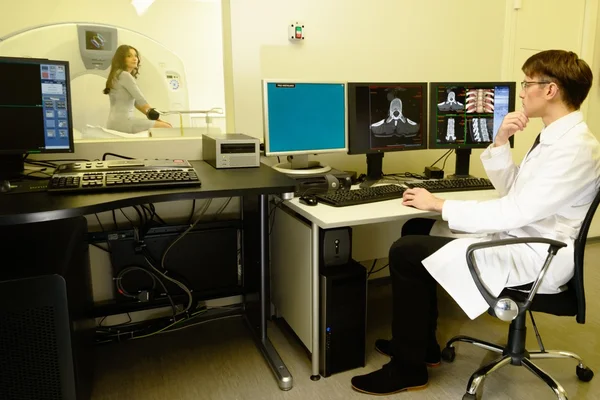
{"points": [[512, 123], [423, 200]]}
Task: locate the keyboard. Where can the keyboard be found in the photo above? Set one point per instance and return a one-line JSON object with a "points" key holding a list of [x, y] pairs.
{"points": [[342, 198], [453, 185], [125, 175]]}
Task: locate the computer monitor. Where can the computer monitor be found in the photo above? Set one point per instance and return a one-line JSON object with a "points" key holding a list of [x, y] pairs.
{"points": [[35, 110], [467, 115], [385, 117], [302, 118]]}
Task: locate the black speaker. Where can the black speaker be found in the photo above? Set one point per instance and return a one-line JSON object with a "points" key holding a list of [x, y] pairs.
{"points": [[46, 319], [335, 246], [343, 313], [35, 340]]}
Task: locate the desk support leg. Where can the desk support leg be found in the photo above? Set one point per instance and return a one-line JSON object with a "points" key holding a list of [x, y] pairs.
{"points": [[281, 372], [314, 251]]}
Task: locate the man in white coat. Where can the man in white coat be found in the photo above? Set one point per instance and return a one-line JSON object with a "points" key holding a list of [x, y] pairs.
{"points": [[547, 195]]}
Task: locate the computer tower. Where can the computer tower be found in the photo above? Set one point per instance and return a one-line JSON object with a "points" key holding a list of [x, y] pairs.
{"points": [[343, 312], [46, 320]]}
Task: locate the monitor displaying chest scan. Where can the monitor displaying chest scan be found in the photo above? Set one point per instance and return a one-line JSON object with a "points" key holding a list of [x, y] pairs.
{"points": [[465, 116], [385, 117], [302, 118], [35, 110]]}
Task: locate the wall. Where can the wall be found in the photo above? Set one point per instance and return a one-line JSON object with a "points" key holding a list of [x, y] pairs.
{"points": [[566, 25], [389, 40], [593, 118], [400, 40]]}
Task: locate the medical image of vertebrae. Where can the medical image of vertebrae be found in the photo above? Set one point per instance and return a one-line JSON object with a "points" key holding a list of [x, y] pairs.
{"points": [[479, 101], [396, 115], [451, 99], [450, 129], [480, 129]]}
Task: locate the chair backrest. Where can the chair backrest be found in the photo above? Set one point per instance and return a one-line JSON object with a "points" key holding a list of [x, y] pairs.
{"points": [[576, 282]]}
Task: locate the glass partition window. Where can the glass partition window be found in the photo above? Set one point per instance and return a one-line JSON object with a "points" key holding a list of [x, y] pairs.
{"points": [[164, 55]]}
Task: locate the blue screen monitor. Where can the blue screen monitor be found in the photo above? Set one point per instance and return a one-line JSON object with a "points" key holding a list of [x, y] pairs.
{"points": [[35, 110], [302, 118], [467, 115]]}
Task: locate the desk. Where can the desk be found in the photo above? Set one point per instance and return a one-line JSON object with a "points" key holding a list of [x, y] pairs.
{"points": [[253, 185], [300, 224]]}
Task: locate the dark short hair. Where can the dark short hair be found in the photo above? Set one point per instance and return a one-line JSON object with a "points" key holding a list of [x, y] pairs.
{"points": [[570, 73]]}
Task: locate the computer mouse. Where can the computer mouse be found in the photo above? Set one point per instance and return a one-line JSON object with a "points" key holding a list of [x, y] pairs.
{"points": [[4, 186], [309, 200]]}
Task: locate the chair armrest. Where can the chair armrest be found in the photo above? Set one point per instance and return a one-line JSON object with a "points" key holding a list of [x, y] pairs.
{"points": [[497, 304]]}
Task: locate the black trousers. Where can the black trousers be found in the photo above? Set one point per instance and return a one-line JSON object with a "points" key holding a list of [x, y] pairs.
{"points": [[414, 291]]}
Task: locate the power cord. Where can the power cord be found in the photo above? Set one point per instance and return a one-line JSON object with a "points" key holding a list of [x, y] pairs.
{"points": [[113, 326], [189, 221], [150, 262], [446, 159], [64, 159], [272, 213], [116, 155], [119, 283], [446, 154], [202, 212], [41, 163], [222, 208], [372, 266], [101, 248], [371, 271], [146, 215], [144, 295], [405, 175], [130, 331]]}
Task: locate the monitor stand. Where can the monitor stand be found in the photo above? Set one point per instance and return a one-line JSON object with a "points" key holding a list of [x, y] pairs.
{"points": [[463, 159], [374, 170], [299, 165]]}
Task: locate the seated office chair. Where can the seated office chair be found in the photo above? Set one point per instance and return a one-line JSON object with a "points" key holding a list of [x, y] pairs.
{"points": [[512, 306]]}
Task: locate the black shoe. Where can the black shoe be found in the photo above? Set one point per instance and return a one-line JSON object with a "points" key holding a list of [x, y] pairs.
{"points": [[433, 358], [394, 377]]}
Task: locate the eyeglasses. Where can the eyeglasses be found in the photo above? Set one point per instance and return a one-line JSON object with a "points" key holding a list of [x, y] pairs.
{"points": [[524, 84]]}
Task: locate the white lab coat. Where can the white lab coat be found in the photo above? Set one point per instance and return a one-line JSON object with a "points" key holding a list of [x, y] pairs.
{"points": [[548, 196]]}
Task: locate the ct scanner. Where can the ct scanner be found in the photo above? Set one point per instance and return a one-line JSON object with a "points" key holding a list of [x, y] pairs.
{"points": [[89, 48]]}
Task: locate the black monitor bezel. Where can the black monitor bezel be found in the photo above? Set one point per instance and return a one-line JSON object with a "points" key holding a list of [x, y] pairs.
{"points": [[40, 61], [351, 90], [432, 144]]}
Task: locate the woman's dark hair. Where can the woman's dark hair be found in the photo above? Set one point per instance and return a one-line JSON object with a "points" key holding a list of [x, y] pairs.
{"points": [[119, 65], [569, 72]]}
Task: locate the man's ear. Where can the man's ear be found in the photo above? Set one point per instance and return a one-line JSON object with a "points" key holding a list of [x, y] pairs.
{"points": [[552, 91]]}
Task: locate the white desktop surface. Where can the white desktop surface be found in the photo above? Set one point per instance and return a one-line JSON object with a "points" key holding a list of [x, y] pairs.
{"points": [[327, 217]]}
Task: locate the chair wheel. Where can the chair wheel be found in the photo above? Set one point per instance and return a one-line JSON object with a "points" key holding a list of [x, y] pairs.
{"points": [[448, 354], [469, 396], [584, 374]]}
